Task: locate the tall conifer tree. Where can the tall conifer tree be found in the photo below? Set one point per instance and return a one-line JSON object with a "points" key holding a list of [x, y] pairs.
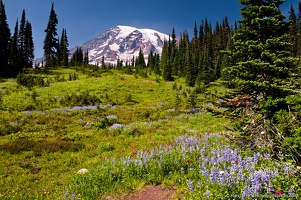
{"points": [[28, 46], [293, 32], [263, 72], [4, 42], [14, 52], [21, 40], [50, 41], [63, 51]]}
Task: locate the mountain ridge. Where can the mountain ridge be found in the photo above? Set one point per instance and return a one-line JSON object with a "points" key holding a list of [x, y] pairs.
{"points": [[122, 42]]}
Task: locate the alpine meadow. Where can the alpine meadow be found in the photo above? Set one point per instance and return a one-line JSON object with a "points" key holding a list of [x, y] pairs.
{"points": [[138, 114]]}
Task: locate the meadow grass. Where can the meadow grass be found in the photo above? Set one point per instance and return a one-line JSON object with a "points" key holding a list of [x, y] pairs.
{"points": [[48, 133]]}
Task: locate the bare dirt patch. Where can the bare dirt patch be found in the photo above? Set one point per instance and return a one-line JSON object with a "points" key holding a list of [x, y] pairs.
{"points": [[150, 193]]}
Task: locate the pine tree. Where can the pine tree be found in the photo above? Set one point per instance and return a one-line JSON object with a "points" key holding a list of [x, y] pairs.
{"points": [[299, 32], [264, 67], [51, 42], [157, 64], [28, 46], [293, 32], [151, 62], [190, 69], [103, 65], [165, 64], [21, 41], [77, 58], [4, 42], [263, 70], [86, 58], [14, 52], [140, 61], [63, 52]]}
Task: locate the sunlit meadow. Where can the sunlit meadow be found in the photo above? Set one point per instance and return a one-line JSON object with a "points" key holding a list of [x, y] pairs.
{"points": [[128, 132]]}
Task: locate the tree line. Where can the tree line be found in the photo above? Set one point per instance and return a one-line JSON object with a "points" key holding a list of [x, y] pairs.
{"points": [[17, 50]]}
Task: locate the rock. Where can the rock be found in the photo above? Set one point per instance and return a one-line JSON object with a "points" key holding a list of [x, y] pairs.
{"points": [[82, 171]]}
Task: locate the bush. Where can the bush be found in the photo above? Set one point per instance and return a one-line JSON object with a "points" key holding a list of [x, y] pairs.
{"points": [[31, 81], [82, 99]]}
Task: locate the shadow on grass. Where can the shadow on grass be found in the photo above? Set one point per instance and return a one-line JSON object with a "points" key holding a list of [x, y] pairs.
{"points": [[39, 147]]}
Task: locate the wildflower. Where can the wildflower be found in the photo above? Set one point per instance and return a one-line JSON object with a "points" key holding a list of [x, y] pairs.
{"points": [[278, 192], [190, 185], [207, 194], [266, 156]]}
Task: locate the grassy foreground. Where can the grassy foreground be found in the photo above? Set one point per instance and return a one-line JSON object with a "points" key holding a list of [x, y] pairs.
{"points": [[128, 132]]}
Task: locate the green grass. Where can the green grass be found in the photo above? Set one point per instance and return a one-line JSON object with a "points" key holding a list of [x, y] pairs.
{"points": [[44, 141]]}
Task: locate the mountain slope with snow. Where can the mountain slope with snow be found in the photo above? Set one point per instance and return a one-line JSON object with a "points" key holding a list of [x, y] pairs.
{"points": [[123, 42]]}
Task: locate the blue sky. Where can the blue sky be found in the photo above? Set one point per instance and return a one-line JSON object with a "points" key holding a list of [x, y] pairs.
{"points": [[85, 19]]}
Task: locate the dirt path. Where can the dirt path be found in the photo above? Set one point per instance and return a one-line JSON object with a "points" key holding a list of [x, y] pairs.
{"points": [[150, 193]]}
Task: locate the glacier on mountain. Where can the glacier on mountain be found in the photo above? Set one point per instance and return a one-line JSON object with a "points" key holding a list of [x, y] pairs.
{"points": [[124, 43]]}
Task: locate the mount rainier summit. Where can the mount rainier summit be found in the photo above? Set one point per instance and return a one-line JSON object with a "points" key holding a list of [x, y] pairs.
{"points": [[123, 42]]}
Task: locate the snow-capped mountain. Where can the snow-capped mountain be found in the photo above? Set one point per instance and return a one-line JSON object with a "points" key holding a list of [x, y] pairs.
{"points": [[123, 42]]}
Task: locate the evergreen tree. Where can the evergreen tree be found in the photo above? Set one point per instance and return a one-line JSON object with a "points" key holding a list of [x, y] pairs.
{"points": [[4, 42], [263, 70], [63, 52], [190, 69], [86, 58], [293, 32], [119, 64], [140, 61], [165, 64], [299, 32], [28, 46], [77, 58], [51, 42], [14, 53], [103, 65], [173, 38], [151, 61], [21, 41], [157, 64]]}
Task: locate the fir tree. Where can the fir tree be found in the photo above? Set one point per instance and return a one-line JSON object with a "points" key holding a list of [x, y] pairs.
{"points": [[51, 42], [86, 58], [63, 51], [299, 32], [28, 46], [4, 42], [293, 32], [157, 64], [151, 61], [77, 57], [190, 69], [263, 70], [165, 64], [103, 65], [21, 40], [14, 53]]}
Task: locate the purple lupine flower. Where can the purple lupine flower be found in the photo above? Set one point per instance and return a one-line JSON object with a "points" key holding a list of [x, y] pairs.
{"points": [[214, 173], [256, 157], [116, 126], [206, 159], [291, 192], [247, 192], [207, 194], [266, 156], [269, 188], [190, 185]]}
